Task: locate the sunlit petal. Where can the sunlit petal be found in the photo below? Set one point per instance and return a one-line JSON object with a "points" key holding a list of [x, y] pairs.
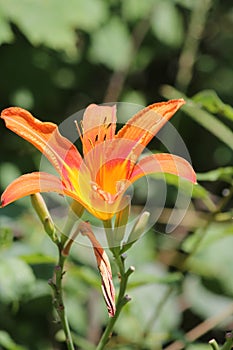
{"points": [[44, 136], [144, 125], [30, 184], [164, 163], [99, 124]]}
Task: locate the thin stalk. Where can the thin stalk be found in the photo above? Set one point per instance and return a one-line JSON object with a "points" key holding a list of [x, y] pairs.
{"points": [[56, 285], [193, 38], [122, 299]]}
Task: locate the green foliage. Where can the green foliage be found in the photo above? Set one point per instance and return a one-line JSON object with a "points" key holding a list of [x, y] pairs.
{"points": [[202, 117], [134, 10], [8, 172], [55, 29], [223, 174], [167, 23], [210, 100], [111, 45], [17, 279], [7, 342]]}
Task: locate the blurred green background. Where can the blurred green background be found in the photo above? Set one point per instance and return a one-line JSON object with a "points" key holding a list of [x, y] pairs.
{"points": [[56, 57]]}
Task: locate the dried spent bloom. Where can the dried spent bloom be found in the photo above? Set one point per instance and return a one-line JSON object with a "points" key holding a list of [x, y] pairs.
{"points": [[110, 161], [104, 267]]}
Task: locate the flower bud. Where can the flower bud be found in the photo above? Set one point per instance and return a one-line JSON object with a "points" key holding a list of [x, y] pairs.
{"points": [[137, 231], [41, 209], [120, 225]]}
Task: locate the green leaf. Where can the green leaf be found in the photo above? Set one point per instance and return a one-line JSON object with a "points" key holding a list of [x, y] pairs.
{"points": [[167, 23], [214, 233], [142, 251], [141, 278], [38, 259], [223, 174], [209, 304], [210, 100], [213, 258], [6, 34], [202, 117], [6, 237], [133, 96], [209, 122], [17, 279], [188, 4], [82, 343], [196, 191], [8, 173], [134, 10], [77, 314], [8, 342], [54, 22], [85, 274], [111, 45]]}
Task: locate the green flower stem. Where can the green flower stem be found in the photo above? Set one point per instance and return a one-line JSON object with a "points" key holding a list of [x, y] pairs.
{"points": [[193, 38], [121, 301], [229, 342], [56, 285]]}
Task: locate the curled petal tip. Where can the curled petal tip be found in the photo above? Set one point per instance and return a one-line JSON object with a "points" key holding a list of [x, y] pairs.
{"points": [[181, 100], [14, 111]]}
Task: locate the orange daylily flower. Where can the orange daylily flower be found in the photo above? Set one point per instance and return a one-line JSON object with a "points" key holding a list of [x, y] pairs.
{"points": [[110, 161]]}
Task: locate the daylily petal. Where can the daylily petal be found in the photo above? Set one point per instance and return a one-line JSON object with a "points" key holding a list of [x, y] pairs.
{"points": [[44, 136], [166, 163], [29, 184], [144, 125], [104, 268], [99, 124], [36, 182]]}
